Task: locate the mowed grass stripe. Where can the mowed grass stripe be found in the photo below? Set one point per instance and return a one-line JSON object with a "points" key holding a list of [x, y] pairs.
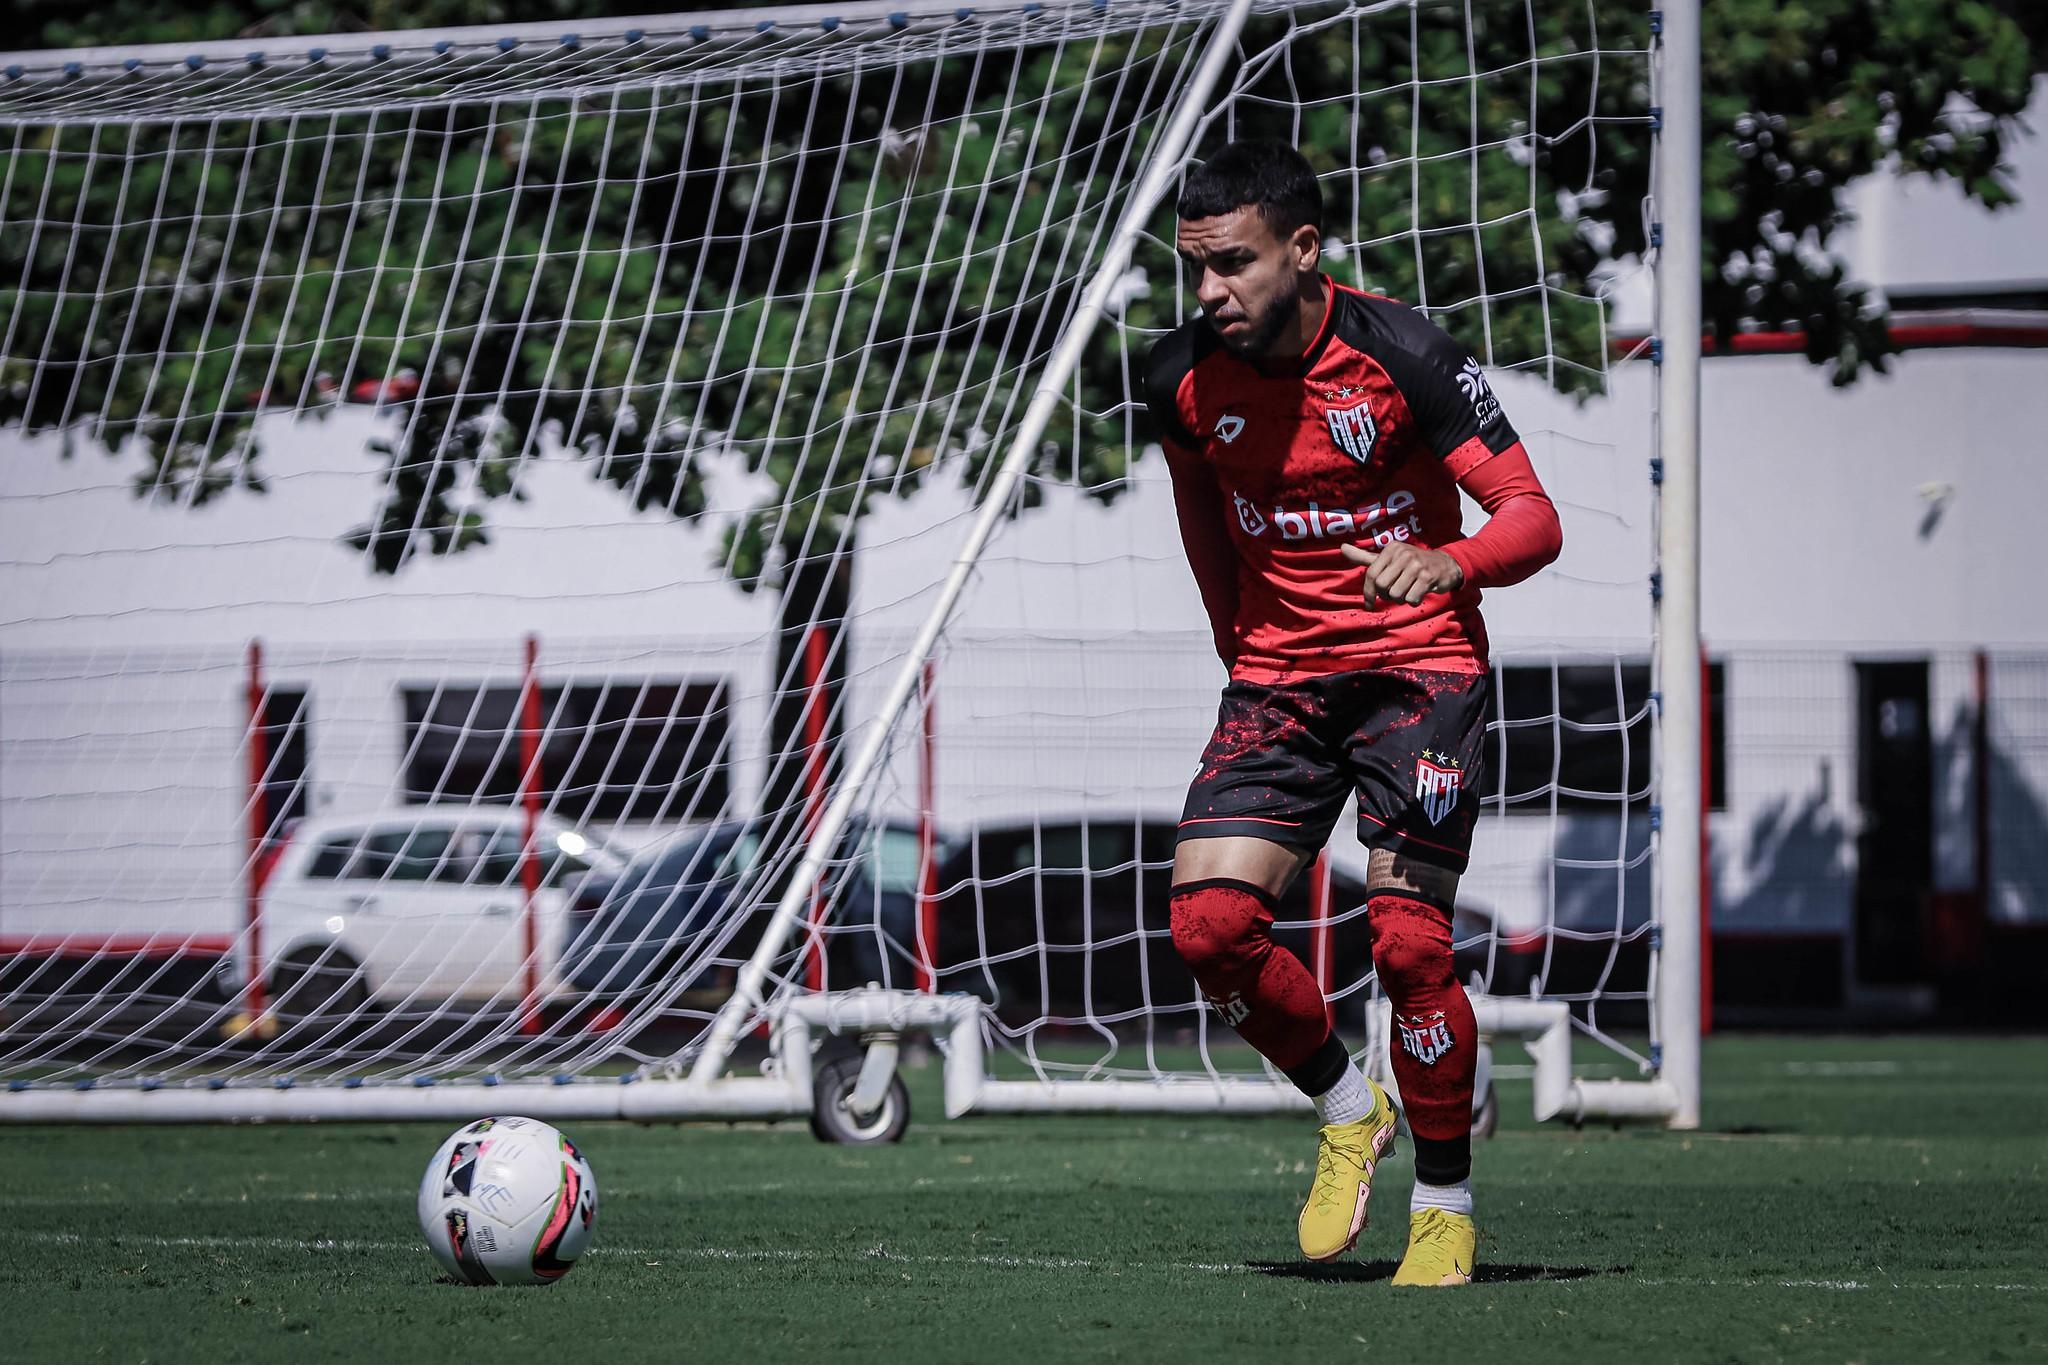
{"points": [[321, 1246]]}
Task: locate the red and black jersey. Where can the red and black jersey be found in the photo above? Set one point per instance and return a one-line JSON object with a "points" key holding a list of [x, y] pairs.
{"points": [[1365, 440]]}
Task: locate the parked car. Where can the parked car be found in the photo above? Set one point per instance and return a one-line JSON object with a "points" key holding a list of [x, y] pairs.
{"points": [[632, 930], [1018, 903], [423, 904]]}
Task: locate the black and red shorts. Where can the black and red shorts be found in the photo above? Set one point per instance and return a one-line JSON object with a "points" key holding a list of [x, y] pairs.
{"points": [[1410, 742]]}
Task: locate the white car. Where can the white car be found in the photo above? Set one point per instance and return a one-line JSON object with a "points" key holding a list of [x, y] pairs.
{"points": [[418, 906]]}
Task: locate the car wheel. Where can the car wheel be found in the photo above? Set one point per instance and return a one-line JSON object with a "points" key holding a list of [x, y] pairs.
{"points": [[315, 985], [832, 1121]]}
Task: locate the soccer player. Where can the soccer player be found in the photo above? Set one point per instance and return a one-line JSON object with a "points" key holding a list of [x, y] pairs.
{"points": [[1317, 438]]}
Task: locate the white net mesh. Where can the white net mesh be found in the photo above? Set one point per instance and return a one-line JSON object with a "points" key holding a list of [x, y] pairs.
{"points": [[464, 501]]}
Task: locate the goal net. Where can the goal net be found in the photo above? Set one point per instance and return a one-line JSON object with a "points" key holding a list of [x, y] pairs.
{"points": [[591, 560]]}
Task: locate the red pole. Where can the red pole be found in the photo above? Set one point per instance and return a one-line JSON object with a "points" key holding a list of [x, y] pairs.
{"points": [[253, 1000], [927, 840], [529, 857], [1319, 921], [814, 789], [1706, 864]]}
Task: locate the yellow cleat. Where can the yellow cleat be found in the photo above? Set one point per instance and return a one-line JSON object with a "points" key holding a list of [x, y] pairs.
{"points": [[1335, 1212], [1441, 1249]]}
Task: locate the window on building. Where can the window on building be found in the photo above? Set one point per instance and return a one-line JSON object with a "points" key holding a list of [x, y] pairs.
{"points": [[1586, 727], [286, 723], [619, 750]]}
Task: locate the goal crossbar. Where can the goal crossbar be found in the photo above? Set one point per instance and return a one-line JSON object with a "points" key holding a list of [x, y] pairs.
{"points": [[485, 40]]}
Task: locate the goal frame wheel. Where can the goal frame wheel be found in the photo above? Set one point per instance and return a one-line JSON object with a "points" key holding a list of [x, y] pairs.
{"points": [[1485, 1097], [1486, 1117], [832, 1117]]}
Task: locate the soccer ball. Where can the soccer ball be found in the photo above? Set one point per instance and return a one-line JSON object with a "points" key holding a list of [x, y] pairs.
{"points": [[508, 1201]]}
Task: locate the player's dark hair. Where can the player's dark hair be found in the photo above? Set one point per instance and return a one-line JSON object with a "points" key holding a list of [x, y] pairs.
{"points": [[1256, 173]]}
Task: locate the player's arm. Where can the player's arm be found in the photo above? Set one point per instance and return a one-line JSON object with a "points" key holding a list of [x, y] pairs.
{"points": [[1198, 503], [1521, 534], [1466, 428]]}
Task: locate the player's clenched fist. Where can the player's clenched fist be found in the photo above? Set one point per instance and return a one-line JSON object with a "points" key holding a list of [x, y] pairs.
{"points": [[1401, 572]]}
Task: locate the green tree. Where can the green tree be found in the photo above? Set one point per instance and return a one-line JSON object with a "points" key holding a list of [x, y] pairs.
{"points": [[1802, 98], [813, 278]]}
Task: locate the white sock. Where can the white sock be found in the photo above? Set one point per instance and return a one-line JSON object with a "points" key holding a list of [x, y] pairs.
{"points": [[1453, 1198], [1348, 1101]]}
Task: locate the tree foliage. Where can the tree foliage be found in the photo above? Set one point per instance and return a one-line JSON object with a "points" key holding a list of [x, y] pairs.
{"points": [[891, 253], [1802, 99]]}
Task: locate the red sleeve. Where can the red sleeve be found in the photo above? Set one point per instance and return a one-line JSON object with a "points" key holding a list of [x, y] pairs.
{"points": [[1198, 502], [1521, 533]]}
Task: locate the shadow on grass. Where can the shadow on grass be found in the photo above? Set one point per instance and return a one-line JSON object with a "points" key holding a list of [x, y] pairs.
{"points": [[1347, 1272]]}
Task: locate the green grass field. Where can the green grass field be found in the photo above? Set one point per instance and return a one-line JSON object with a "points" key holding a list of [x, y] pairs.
{"points": [[1850, 1200]]}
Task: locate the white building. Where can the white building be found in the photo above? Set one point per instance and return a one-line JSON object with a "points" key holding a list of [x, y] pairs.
{"points": [[1862, 548]]}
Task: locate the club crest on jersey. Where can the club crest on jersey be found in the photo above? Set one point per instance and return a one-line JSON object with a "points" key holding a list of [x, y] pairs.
{"points": [[1354, 430], [1425, 1037], [1248, 516], [1437, 784]]}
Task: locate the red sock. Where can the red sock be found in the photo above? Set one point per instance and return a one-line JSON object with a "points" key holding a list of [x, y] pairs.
{"points": [[1435, 1044], [1223, 930]]}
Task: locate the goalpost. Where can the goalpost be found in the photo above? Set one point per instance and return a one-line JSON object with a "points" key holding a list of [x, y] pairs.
{"points": [[767, 623]]}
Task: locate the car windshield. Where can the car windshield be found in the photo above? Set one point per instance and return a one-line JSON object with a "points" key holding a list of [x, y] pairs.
{"points": [[715, 854], [588, 852], [727, 853], [565, 855], [1072, 848]]}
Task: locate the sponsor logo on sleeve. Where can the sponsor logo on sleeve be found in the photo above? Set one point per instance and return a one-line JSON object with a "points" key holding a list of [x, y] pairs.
{"points": [[1472, 383]]}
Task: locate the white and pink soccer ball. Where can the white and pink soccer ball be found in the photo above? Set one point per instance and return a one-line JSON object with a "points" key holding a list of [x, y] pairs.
{"points": [[508, 1201]]}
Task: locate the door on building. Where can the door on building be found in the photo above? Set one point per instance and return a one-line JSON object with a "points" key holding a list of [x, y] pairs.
{"points": [[1895, 840]]}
